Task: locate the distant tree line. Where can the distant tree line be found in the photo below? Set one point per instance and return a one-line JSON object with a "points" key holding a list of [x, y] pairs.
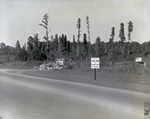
{"points": [[59, 46]]}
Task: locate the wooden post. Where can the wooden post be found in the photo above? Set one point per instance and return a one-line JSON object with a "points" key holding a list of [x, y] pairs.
{"points": [[95, 74]]}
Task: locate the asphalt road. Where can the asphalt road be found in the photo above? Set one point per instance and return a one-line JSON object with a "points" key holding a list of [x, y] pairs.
{"points": [[26, 97]]}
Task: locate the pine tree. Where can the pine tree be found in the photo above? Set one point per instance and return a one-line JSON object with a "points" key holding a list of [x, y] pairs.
{"points": [[56, 43], [88, 30], [45, 25], [79, 33], [84, 39], [74, 46], [122, 38], [30, 46], [112, 34], [111, 40], [85, 44], [130, 29], [18, 47], [97, 46], [121, 33], [60, 46], [68, 46], [65, 43]]}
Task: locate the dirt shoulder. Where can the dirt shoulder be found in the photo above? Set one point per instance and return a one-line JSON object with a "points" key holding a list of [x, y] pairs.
{"points": [[106, 76]]}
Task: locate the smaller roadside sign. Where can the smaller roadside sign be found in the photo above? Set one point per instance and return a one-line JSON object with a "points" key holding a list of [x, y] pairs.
{"points": [[60, 61], [95, 63], [138, 59]]}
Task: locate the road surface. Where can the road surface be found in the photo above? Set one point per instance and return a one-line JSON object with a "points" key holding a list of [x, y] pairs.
{"points": [[26, 97]]}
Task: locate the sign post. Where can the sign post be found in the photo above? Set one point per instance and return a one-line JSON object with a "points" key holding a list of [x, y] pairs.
{"points": [[95, 74], [95, 65]]}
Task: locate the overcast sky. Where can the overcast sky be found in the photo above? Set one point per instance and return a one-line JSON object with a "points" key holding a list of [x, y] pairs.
{"points": [[20, 19]]}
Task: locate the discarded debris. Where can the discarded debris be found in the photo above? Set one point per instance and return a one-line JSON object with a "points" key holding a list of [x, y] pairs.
{"points": [[55, 66], [49, 66]]}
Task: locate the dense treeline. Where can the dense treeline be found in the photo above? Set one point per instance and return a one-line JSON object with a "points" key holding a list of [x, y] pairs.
{"points": [[59, 46]]}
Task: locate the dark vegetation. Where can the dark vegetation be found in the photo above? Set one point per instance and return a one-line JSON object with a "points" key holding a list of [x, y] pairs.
{"points": [[79, 50]]}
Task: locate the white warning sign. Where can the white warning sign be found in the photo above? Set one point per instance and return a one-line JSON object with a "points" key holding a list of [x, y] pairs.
{"points": [[95, 63]]}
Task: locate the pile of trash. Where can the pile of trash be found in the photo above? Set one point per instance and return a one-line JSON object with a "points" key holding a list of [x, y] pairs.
{"points": [[49, 66]]}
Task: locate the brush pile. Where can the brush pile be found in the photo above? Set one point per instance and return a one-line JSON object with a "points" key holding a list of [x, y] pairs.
{"points": [[49, 66]]}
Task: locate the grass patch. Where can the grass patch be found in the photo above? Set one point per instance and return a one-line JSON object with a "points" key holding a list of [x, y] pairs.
{"points": [[106, 76], [20, 65]]}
